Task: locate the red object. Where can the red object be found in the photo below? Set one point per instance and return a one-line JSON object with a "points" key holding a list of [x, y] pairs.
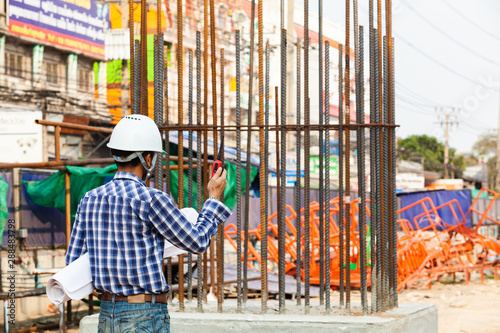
{"points": [[218, 163]]}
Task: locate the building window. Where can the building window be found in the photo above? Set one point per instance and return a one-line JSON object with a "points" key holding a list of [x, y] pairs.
{"points": [[52, 73], [14, 64], [84, 78]]}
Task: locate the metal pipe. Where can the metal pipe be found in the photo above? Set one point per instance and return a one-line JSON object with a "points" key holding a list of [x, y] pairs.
{"points": [[249, 151]]}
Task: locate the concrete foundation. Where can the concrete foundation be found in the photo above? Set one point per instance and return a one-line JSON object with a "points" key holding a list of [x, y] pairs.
{"points": [[412, 318]]}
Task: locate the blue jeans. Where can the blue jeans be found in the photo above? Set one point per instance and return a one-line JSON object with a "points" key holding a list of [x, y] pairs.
{"points": [[123, 317]]}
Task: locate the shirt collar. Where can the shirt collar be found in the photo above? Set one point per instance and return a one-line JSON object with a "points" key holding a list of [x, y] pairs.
{"points": [[128, 176]]}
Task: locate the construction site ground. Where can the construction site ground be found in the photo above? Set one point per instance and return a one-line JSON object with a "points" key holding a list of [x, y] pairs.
{"points": [[473, 307]]}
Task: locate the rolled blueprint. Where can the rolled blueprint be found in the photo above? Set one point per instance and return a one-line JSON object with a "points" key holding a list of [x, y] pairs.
{"points": [[72, 282]]}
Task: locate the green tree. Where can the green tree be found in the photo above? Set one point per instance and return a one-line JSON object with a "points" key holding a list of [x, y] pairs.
{"points": [[430, 151]]}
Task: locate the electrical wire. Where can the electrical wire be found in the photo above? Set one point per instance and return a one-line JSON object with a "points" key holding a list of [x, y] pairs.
{"points": [[437, 62], [448, 35], [459, 13]]}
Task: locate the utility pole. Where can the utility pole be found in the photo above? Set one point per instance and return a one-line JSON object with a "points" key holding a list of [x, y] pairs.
{"points": [[448, 122]]}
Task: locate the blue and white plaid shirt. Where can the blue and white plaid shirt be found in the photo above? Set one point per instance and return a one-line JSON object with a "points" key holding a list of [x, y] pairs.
{"points": [[123, 226]]}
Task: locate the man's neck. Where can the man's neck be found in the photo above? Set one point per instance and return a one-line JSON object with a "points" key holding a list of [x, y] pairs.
{"points": [[138, 171]]}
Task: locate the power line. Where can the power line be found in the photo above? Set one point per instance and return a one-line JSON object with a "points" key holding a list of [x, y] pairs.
{"points": [[437, 62], [415, 95], [449, 36], [469, 20]]}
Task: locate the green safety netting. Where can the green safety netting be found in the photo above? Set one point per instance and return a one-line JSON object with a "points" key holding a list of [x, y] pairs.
{"points": [[4, 210], [51, 192], [229, 191]]}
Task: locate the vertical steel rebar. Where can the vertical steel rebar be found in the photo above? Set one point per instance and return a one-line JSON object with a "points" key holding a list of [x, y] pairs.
{"points": [[199, 178], [361, 174], [132, 49], [382, 162], [348, 154], [321, 161], [238, 173], [282, 197], [167, 171], [190, 167], [213, 56], [387, 192], [137, 79], [298, 178], [263, 244], [328, 285], [378, 189], [392, 120], [220, 231], [278, 194], [341, 178], [144, 60], [307, 145], [263, 230], [373, 184], [206, 169], [180, 121], [249, 152]]}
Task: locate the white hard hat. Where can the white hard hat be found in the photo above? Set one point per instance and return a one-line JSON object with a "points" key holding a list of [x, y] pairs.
{"points": [[136, 133]]}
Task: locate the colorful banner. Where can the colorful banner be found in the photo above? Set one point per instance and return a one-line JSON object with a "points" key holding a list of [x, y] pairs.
{"points": [[75, 24]]}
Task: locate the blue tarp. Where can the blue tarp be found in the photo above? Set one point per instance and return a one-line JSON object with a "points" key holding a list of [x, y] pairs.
{"points": [[438, 198]]}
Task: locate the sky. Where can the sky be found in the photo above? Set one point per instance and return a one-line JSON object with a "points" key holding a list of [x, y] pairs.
{"points": [[447, 62]]}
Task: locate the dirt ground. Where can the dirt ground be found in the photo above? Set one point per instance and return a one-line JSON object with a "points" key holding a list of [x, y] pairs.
{"points": [[461, 308]]}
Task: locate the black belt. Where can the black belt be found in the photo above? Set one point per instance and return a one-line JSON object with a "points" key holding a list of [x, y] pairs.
{"points": [[139, 298]]}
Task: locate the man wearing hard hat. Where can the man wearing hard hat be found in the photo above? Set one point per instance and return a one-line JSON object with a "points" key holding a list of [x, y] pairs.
{"points": [[123, 226]]}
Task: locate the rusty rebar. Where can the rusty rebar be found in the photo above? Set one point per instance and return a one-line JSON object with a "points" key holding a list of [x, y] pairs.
{"points": [[341, 179], [347, 93], [190, 166], [238, 174], [321, 161], [220, 231], [282, 174], [263, 231], [263, 242], [132, 48], [144, 59], [328, 282], [199, 181], [307, 145], [206, 176], [298, 178], [249, 152]]}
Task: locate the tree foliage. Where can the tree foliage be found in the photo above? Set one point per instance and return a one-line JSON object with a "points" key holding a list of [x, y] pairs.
{"points": [[427, 149]]}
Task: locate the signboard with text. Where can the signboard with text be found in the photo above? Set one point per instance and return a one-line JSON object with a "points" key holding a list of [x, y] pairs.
{"points": [[74, 24]]}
